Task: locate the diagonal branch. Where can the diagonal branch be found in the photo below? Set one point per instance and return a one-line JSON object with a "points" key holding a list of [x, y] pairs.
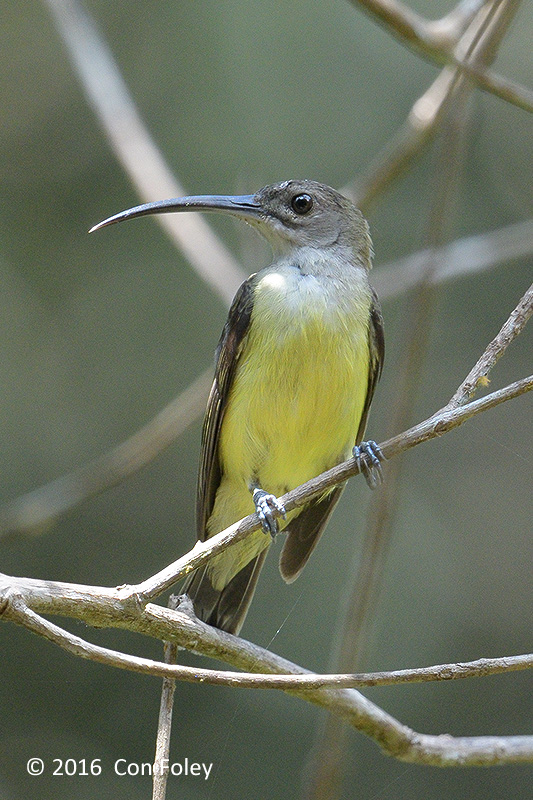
{"points": [[494, 350], [439, 423], [420, 35], [101, 606]]}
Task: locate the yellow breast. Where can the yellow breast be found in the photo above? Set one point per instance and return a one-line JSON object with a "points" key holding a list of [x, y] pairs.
{"points": [[301, 382]]}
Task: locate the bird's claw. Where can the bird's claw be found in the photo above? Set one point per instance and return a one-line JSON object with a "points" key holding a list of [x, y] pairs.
{"points": [[265, 504], [368, 456]]}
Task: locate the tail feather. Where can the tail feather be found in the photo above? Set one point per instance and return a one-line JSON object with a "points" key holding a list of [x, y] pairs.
{"points": [[224, 608]]}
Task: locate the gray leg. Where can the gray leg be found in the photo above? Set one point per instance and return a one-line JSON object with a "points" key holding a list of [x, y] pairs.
{"points": [[265, 504], [369, 457]]}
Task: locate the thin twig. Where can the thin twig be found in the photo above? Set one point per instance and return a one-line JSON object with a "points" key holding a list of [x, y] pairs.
{"points": [[164, 725], [494, 350]]}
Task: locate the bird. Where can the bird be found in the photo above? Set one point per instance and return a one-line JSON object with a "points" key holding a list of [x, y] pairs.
{"points": [[296, 368]]}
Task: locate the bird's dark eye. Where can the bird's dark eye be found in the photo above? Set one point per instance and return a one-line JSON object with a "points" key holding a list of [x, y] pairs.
{"points": [[302, 203]]}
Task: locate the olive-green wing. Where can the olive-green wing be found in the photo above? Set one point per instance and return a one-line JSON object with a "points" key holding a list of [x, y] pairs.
{"points": [[305, 530], [226, 358]]}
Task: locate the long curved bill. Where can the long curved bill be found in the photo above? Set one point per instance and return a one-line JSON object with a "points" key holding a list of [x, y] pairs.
{"points": [[244, 205]]}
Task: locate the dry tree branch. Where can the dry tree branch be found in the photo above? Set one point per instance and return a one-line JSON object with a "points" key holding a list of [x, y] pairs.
{"points": [[132, 598], [494, 350], [22, 600], [442, 421], [439, 423], [395, 738], [426, 114], [425, 38], [164, 723], [37, 509], [14, 608], [109, 97]]}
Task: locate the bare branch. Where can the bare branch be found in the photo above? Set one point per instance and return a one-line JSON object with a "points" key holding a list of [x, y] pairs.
{"points": [[395, 738], [16, 610], [494, 350], [135, 149], [441, 422], [428, 111], [134, 597], [425, 38], [164, 726]]}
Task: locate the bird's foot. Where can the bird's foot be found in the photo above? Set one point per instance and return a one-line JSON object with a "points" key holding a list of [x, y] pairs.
{"points": [[368, 456], [265, 504]]}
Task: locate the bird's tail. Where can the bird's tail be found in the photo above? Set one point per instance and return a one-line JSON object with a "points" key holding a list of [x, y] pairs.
{"points": [[224, 608]]}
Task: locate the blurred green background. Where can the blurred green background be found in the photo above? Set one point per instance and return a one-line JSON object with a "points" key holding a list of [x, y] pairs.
{"points": [[99, 333]]}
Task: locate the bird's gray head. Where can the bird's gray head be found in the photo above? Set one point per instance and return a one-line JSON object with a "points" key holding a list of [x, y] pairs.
{"points": [[296, 213], [302, 213]]}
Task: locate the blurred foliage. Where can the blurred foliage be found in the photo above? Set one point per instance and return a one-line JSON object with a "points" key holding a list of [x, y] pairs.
{"points": [[98, 333]]}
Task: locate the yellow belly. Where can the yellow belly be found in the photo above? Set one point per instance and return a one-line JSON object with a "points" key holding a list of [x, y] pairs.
{"points": [[294, 410]]}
